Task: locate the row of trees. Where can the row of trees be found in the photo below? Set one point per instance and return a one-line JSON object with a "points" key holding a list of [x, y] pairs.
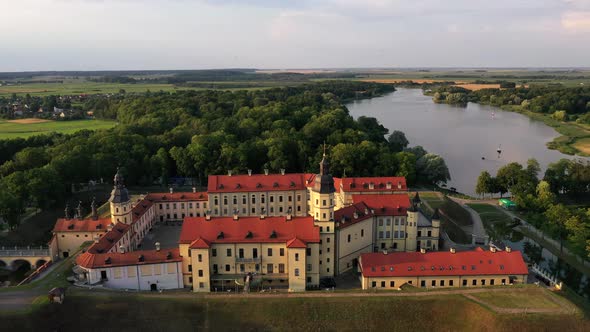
{"points": [[542, 200], [197, 133]]}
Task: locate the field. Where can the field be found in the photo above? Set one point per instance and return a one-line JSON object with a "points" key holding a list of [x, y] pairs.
{"points": [[122, 312], [526, 298], [25, 128]]}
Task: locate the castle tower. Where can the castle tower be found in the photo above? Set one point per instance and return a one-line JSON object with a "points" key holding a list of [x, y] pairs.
{"points": [[412, 224], [435, 227], [120, 202], [322, 210]]}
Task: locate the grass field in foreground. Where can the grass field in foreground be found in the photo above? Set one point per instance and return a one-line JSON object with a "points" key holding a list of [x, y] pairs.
{"points": [[123, 312], [24, 130], [522, 298]]}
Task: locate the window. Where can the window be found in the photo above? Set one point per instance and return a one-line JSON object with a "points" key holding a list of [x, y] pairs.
{"points": [[380, 222], [392, 284], [201, 285], [235, 200], [374, 284], [200, 273], [282, 252], [492, 282], [272, 199], [388, 222], [380, 234], [190, 268], [382, 284], [214, 252], [215, 270], [297, 272], [253, 199], [200, 258], [429, 233], [229, 252], [309, 266], [503, 281], [281, 268], [269, 252], [243, 199], [308, 279], [442, 283], [464, 282], [474, 282], [321, 229], [422, 283], [262, 199], [419, 233], [328, 229], [190, 280], [362, 232], [254, 253], [450, 282], [348, 237], [433, 283], [483, 282], [242, 268], [174, 205], [297, 257], [387, 234], [268, 268], [298, 198], [323, 202], [281, 199], [160, 206], [308, 251], [241, 252]]}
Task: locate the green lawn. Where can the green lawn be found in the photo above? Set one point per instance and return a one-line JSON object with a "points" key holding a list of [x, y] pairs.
{"points": [[490, 214], [521, 298], [125, 311], [23, 130]]}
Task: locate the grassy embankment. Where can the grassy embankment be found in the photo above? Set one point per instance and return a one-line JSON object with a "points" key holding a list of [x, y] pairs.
{"points": [[10, 129], [453, 312], [453, 217], [497, 224]]}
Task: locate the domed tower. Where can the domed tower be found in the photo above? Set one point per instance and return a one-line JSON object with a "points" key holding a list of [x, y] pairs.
{"points": [[322, 210], [120, 201]]}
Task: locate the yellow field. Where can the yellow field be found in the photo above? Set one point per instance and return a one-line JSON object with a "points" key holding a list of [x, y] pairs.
{"points": [[28, 121]]}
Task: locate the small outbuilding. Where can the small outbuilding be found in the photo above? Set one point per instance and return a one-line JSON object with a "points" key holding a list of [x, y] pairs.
{"points": [[57, 295]]}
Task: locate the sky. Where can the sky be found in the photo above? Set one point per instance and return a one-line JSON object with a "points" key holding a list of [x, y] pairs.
{"points": [[280, 34]]}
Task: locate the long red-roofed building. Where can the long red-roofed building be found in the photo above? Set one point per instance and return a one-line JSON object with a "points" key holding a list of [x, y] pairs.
{"points": [[442, 268]]}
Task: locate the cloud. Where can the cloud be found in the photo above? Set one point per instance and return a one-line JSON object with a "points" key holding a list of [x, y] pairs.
{"points": [[576, 21]]}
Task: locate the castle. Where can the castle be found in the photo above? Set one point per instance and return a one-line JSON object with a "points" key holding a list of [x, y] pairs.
{"points": [[276, 230]]}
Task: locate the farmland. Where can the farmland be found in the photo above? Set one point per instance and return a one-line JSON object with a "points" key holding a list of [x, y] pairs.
{"points": [[24, 129]]}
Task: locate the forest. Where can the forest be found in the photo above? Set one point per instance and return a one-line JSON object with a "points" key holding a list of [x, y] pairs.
{"points": [[192, 134]]}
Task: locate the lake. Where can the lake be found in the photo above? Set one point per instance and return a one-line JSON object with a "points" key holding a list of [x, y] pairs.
{"points": [[462, 135]]}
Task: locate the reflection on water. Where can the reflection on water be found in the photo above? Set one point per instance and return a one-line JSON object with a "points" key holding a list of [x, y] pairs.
{"points": [[462, 135]]}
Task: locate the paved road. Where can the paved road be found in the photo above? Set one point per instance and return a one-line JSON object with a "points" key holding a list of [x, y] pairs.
{"points": [[478, 229]]}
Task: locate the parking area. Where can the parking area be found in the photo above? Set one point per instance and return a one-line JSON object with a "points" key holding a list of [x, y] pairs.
{"points": [[166, 234]]}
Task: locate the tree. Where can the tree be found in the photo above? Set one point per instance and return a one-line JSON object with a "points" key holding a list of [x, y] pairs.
{"points": [[406, 166], [397, 141], [484, 183], [508, 175], [417, 150], [544, 195], [557, 215], [579, 233], [433, 168]]}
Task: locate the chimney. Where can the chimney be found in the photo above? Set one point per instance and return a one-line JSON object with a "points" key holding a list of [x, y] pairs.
{"points": [[110, 227], [96, 238], [194, 189], [453, 250], [366, 211], [236, 217], [388, 185], [508, 249], [122, 249], [289, 217], [355, 215], [171, 190], [384, 252], [266, 171], [492, 249], [399, 185], [207, 217], [249, 172], [282, 171], [229, 172], [422, 250], [157, 246]]}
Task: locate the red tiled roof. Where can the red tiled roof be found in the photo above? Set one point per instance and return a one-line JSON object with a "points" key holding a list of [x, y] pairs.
{"points": [[442, 263], [84, 225], [379, 184], [256, 182], [249, 230], [385, 205], [199, 244], [345, 216], [296, 243], [109, 239], [141, 207], [93, 261], [179, 196], [337, 183]]}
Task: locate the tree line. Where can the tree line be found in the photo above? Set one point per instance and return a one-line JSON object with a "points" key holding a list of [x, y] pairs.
{"points": [[196, 133]]}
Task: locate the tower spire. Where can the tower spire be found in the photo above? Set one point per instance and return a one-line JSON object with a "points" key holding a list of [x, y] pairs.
{"points": [[67, 211], [93, 207], [79, 210]]}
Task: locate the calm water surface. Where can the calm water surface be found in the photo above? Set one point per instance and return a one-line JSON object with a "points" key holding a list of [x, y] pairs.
{"points": [[462, 135]]}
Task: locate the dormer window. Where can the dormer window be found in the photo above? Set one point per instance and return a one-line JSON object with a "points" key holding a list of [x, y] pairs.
{"points": [[371, 185], [169, 255], [107, 260], [292, 184], [249, 235], [275, 185], [258, 185], [220, 235], [238, 186], [273, 235], [221, 186], [141, 258]]}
